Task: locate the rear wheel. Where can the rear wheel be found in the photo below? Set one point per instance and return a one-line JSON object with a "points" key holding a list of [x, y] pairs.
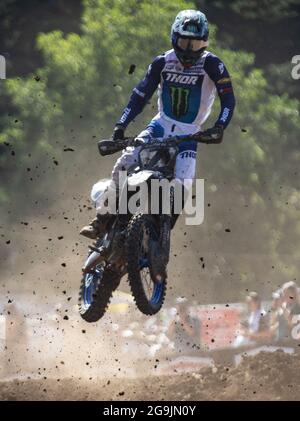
{"points": [[148, 293]]}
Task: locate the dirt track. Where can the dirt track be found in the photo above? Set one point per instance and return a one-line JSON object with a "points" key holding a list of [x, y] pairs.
{"points": [[264, 377]]}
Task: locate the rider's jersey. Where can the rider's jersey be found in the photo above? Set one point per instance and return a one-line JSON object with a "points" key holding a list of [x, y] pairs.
{"points": [[185, 95]]}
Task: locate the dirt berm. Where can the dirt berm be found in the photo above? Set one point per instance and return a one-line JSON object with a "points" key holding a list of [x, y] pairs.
{"points": [[263, 377]]}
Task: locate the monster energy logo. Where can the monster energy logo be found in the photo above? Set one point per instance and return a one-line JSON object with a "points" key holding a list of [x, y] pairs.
{"points": [[179, 99]]}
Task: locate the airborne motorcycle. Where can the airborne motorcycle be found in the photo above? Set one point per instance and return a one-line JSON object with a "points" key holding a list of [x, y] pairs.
{"points": [[136, 244]]}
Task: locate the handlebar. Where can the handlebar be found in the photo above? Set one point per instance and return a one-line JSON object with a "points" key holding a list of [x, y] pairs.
{"points": [[109, 146]]}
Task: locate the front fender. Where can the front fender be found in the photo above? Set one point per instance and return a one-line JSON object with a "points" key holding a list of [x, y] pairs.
{"points": [[92, 261], [140, 177]]}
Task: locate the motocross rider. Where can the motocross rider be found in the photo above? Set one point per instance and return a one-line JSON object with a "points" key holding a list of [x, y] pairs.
{"points": [[187, 77]]}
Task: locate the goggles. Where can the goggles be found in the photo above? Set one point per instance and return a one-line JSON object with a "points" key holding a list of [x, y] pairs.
{"points": [[191, 44]]}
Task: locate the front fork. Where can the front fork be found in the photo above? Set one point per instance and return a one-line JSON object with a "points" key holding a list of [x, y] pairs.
{"points": [[166, 224], [164, 238]]}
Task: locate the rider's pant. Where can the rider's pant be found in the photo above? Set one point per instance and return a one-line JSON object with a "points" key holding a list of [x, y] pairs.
{"points": [[159, 127]]}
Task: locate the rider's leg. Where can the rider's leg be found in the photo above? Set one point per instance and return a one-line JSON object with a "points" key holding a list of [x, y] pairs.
{"points": [[185, 169], [128, 159], [97, 226]]}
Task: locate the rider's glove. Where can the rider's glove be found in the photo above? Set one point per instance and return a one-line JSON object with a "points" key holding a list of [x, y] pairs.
{"points": [[213, 135], [118, 133]]}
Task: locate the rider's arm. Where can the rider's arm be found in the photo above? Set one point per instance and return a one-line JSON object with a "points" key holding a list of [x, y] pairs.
{"points": [[142, 93], [218, 73]]}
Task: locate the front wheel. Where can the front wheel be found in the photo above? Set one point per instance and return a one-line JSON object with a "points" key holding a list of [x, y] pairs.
{"points": [[95, 293], [148, 293]]}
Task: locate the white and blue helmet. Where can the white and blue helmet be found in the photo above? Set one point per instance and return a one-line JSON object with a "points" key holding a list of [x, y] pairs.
{"points": [[189, 35]]}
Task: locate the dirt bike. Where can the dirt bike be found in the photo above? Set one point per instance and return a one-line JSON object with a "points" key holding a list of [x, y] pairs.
{"points": [[136, 244]]}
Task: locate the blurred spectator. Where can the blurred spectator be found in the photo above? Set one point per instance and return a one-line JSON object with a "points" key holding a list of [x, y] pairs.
{"points": [[291, 297], [278, 325], [291, 307], [255, 327], [184, 330]]}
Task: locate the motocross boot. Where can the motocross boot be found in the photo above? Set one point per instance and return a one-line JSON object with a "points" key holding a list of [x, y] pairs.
{"points": [[96, 228]]}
